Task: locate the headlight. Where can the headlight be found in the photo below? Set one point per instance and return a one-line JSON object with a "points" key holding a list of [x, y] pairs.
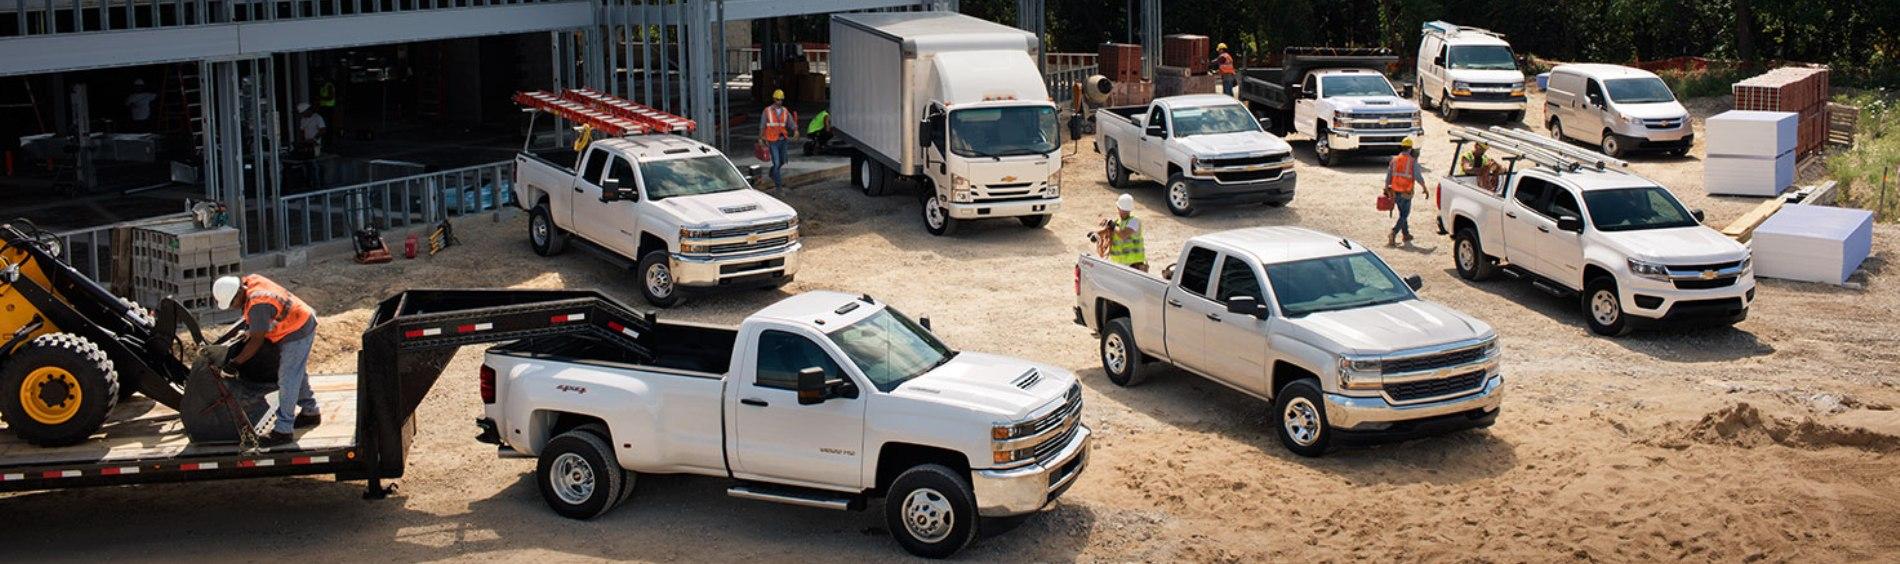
{"points": [[1356, 373], [1461, 89], [959, 188], [1054, 187], [1632, 120], [1002, 432], [1491, 348], [1748, 265], [1195, 165], [686, 233], [1649, 270]]}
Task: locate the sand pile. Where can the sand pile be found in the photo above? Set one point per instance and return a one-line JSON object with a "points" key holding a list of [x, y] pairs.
{"points": [[1743, 425]]}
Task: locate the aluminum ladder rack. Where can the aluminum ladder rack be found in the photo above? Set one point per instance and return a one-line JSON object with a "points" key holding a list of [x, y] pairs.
{"points": [[1558, 155]]}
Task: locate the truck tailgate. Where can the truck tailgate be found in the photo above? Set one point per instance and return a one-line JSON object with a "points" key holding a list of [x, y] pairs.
{"points": [[1460, 197], [1104, 282]]}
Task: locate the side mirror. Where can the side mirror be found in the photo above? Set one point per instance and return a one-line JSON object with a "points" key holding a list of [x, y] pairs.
{"points": [[1246, 305], [611, 191], [1570, 223], [1266, 123], [1156, 131], [814, 388], [1697, 214], [1415, 282]]}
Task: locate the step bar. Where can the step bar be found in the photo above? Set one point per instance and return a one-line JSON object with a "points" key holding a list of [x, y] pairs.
{"points": [[795, 496]]}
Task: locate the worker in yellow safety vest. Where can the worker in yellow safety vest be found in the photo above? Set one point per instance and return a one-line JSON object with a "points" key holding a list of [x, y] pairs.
{"points": [[777, 127], [1121, 238], [1224, 64], [272, 314], [1401, 180]]}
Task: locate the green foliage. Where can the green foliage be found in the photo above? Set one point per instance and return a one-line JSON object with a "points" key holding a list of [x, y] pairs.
{"points": [[1867, 172], [1715, 81]]}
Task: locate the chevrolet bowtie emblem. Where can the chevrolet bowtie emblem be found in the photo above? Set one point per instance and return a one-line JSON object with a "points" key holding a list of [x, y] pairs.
{"points": [[1708, 275], [1383, 121], [1009, 179], [752, 239]]}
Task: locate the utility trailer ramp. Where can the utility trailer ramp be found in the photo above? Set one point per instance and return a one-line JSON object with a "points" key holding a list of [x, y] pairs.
{"points": [[141, 429]]}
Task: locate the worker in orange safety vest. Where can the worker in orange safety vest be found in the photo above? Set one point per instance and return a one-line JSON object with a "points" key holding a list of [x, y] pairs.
{"points": [[777, 127], [272, 314], [1224, 64], [1401, 180]]}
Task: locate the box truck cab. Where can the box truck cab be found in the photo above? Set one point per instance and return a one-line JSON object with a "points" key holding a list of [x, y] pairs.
{"points": [[1617, 108], [1466, 68], [953, 103]]}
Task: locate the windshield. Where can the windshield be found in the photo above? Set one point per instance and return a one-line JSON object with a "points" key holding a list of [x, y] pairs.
{"points": [[891, 349], [686, 177], [1335, 283], [1639, 90], [1631, 209], [1001, 132], [1213, 121], [1357, 85], [1482, 57]]}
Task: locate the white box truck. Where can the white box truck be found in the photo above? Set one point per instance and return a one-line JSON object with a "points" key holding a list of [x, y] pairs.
{"points": [[953, 103]]}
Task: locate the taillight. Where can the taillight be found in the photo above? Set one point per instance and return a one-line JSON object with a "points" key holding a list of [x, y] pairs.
{"points": [[1078, 280], [1440, 195], [488, 385]]}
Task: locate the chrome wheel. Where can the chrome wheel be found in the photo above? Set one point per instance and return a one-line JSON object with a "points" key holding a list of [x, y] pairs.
{"points": [[933, 213], [1178, 195], [538, 230], [1114, 353], [1556, 130], [572, 479], [1467, 256], [1323, 148], [1604, 308], [928, 515], [1611, 146], [660, 280], [1114, 164], [1302, 421]]}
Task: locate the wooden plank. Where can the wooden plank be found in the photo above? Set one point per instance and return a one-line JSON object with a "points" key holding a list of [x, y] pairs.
{"points": [[1744, 227], [142, 429]]}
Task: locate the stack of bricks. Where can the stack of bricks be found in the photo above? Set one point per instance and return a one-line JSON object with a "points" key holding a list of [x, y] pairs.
{"points": [[1187, 51], [1120, 62], [1801, 90], [180, 261]]}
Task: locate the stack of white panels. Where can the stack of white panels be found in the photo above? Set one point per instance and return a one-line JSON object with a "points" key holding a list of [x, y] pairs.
{"points": [[1749, 153], [1813, 243]]}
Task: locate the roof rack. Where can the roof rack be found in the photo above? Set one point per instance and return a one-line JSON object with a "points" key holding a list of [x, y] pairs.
{"points": [[610, 115], [1449, 28], [1558, 155]]}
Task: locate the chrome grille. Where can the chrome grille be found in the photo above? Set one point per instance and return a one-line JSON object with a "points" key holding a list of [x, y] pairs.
{"points": [[1423, 389], [744, 247], [1247, 161], [746, 230], [1432, 362]]}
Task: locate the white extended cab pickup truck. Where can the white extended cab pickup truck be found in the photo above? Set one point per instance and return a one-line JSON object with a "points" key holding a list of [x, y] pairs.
{"points": [[1634, 254], [1316, 324], [822, 400], [673, 207], [1207, 149]]}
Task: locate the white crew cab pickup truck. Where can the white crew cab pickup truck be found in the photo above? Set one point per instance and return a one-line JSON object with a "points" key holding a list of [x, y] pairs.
{"points": [[1316, 324], [1206, 149], [674, 208], [821, 400], [1573, 224]]}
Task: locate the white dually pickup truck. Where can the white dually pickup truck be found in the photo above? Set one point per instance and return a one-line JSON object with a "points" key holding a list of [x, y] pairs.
{"points": [[822, 400], [674, 208], [1314, 323], [1338, 96], [1576, 226], [1206, 149]]}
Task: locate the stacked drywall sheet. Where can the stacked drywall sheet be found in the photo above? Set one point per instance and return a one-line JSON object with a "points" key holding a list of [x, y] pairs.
{"points": [[1750, 153], [1813, 243]]}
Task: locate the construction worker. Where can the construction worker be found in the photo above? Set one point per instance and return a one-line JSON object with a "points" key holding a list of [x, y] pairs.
{"points": [[326, 103], [1224, 65], [272, 314], [138, 106], [311, 128], [818, 132], [1121, 238], [777, 128], [1402, 177], [1475, 163]]}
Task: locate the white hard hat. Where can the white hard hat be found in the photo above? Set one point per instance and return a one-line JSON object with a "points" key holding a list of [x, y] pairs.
{"points": [[303, 107], [224, 290], [1125, 203]]}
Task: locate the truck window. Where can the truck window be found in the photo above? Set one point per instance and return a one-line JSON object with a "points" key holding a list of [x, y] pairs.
{"points": [[782, 355], [1358, 85], [1632, 209], [1334, 283], [596, 162], [1156, 119], [1594, 92], [1237, 279], [1311, 87], [691, 176], [1004, 131], [891, 349], [1531, 191], [1213, 120], [1562, 203], [1197, 270], [1646, 90], [621, 171]]}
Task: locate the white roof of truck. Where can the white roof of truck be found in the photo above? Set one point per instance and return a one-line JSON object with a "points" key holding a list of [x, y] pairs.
{"points": [[820, 309], [941, 31], [655, 147], [1603, 71], [1607, 179], [1197, 101], [1278, 244]]}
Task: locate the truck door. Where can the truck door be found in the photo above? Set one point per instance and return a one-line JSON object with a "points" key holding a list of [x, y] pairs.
{"points": [[1240, 339], [1562, 251], [1306, 107], [776, 439], [1523, 218], [1189, 312], [1153, 158], [583, 202]]}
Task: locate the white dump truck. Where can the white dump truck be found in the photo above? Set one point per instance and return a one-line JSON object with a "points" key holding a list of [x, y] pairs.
{"points": [[952, 103]]}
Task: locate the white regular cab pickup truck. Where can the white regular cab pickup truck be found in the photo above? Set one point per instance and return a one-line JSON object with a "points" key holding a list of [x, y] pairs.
{"points": [[1207, 149], [1634, 253], [821, 400], [1316, 324], [674, 208]]}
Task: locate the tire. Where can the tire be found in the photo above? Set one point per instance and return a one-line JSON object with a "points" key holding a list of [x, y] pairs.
{"points": [[579, 476], [1468, 255], [1034, 221], [931, 511], [1611, 321], [57, 389], [936, 218], [1300, 413], [1612, 145], [1556, 128], [1323, 148], [1445, 109], [857, 171], [1116, 173], [546, 237], [1121, 359], [657, 284], [1514, 117], [1180, 201], [1424, 100]]}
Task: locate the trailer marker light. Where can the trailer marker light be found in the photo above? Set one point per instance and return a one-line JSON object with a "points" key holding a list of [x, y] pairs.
{"points": [[119, 470], [569, 317], [256, 463], [624, 330], [12, 477], [198, 466], [60, 474], [430, 332], [475, 327]]}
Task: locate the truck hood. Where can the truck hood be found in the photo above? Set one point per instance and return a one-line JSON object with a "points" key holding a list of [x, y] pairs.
{"points": [[1659, 110], [1493, 76], [1676, 246], [1241, 144], [1373, 104], [725, 209], [1388, 328], [987, 383]]}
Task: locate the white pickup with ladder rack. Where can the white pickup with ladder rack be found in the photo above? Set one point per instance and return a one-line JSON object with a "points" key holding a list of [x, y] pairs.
{"points": [[1521, 144]]}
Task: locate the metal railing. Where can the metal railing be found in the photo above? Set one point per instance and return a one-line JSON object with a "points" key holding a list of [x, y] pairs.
{"points": [[423, 199], [1062, 82], [49, 17], [88, 249], [1060, 61]]}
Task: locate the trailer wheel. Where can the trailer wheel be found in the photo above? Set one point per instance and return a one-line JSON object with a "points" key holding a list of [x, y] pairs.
{"points": [[57, 389], [579, 476]]}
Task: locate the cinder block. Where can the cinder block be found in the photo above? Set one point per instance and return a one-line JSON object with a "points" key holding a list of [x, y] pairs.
{"points": [[293, 258]]}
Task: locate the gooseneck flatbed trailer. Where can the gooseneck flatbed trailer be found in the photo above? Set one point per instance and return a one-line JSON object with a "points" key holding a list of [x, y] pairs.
{"points": [[369, 417]]}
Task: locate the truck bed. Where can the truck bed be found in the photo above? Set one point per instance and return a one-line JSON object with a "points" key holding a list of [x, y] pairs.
{"points": [[140, 429], [1131, 113], [687, 347]]}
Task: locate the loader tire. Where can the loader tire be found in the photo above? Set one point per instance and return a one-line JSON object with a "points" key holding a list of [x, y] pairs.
{"points": [[57, 390]]}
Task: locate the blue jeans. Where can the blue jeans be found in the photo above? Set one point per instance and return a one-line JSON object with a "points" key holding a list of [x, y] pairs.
{"points": [[1228, 82], [292, 378], [1404, 205], [778, 159]]}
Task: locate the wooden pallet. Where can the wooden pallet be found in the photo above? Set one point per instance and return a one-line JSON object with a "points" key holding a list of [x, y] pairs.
{"points": [[141, 429]]}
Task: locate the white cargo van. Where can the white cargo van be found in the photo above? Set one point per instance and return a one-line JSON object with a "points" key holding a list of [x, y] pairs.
{"points": [[1617, 108], [953, 103], [1466, 68]]}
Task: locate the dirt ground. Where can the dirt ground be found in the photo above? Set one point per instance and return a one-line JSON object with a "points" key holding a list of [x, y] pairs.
{"points": [[1774, 440]]}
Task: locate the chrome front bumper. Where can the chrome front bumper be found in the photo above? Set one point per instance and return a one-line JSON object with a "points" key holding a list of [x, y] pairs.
{"points": [[1350, 413], [1015, 208], [1349, 140], [702, 271], [1016, 491]]}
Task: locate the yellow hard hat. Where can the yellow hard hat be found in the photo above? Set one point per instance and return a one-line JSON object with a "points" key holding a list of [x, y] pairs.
{"points": [[778, 94], [1407, 143], [1222, 46]]}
